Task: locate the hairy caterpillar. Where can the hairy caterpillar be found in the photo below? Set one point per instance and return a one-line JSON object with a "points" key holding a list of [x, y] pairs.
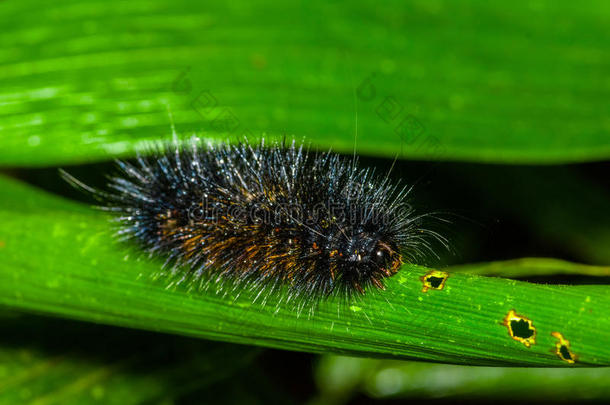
{"points": [[266, 216]]}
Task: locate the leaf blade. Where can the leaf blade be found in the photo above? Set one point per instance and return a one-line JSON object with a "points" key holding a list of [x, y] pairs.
{"points": [[80, 272], [84, 81]]}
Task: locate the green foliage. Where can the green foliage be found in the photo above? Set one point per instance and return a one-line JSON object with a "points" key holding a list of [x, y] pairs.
{"points": [[88, 80], [471, 81], [459, 321], [401, 379], [72, 365]]}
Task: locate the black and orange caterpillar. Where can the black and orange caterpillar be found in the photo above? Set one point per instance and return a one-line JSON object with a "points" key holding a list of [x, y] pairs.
{"points": [[266, 216]]}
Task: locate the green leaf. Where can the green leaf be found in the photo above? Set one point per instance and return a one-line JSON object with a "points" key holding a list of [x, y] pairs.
{"points": [[86, 80], [58, 258], [340, 378], [50, 361], [532, 266]]}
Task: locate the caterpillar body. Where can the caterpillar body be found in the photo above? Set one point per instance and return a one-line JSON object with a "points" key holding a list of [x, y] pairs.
{"points": [[265, 217]]}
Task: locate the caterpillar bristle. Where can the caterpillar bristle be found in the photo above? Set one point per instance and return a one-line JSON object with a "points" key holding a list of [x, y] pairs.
{"points": [[264, 218]]}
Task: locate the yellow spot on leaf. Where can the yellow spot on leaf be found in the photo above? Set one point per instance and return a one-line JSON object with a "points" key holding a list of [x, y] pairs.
{"points": [[562, 348], [520, 328], [434, 280]]}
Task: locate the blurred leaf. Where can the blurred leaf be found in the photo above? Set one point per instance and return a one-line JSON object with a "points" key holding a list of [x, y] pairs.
{"points": [[521, 82], [48, 361], [57, 257], [340, 378], [532, 266]]}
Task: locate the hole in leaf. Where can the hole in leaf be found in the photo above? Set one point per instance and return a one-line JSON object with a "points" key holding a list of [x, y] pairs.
{"points": [[520, 328], [434, 280], [564, 353], [562, 348]]}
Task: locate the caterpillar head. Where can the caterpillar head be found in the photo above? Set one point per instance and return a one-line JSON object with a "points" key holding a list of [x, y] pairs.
{"points": [[366, 258]]}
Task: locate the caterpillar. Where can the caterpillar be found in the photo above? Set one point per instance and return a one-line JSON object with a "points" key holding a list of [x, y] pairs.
{"points": [[265, 216]]}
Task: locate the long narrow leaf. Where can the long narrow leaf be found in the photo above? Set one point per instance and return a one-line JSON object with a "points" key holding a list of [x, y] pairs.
{"points": [[470, 80], [58, 258]]}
